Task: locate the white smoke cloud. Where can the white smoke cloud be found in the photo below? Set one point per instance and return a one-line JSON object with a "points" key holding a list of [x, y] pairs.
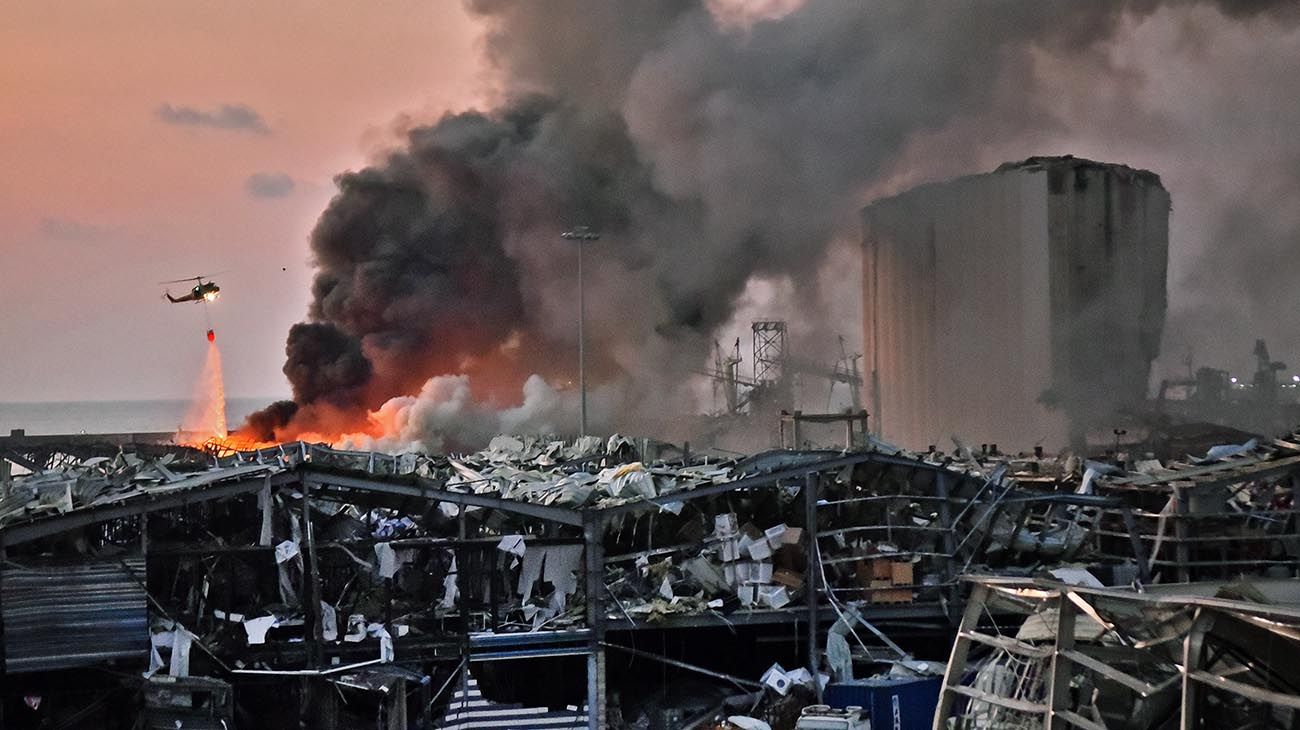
{"points": [[445, 416]]}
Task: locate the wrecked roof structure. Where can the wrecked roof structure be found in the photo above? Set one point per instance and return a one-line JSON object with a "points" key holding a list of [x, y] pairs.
{"points": [[1076, 654], [362, 583]]}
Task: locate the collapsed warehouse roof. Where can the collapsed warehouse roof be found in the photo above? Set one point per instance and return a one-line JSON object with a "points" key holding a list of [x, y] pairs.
{"points": [[301, 560], [1074, 653]]}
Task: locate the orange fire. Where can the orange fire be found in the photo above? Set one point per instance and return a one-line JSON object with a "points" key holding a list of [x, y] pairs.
{"points": [[496, 381]]}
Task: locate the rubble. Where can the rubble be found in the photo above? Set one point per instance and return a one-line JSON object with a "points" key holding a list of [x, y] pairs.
{"points": [[1189, 655], [305, 561]]}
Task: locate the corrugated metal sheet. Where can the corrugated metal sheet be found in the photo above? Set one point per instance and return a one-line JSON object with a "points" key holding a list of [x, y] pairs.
{"points": [[467, 710], [58, 616]]}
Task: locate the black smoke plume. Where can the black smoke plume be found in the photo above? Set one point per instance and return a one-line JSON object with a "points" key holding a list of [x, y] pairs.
{"points": [[710, 147]]}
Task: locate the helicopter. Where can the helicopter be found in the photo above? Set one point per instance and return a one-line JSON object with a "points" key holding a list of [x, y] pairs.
{"points": [[203, 291]]}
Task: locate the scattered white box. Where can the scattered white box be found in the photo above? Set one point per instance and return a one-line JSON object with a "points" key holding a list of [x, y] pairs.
{"points": [[725, 525], [774, 535], [746, 594], [775, 596], [759, 550], [776, 678]]}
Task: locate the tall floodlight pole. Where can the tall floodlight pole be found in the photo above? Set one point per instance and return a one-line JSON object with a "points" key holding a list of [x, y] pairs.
{"points": [[581, 234]]}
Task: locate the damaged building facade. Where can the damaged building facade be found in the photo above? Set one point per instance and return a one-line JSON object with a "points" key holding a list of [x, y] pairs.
{"points": [[1023, 305], [601, 583], [567, 583]]}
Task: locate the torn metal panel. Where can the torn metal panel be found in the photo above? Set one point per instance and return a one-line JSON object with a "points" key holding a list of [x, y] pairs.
{"points": [[1144, 661], [59, 614]]}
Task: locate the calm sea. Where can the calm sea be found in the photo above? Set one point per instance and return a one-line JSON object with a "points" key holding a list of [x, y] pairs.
{"points": [[128, 416]]}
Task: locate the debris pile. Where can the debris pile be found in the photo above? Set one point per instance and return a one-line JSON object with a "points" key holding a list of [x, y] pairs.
{"points": [[304, 561], [1203, 654]]}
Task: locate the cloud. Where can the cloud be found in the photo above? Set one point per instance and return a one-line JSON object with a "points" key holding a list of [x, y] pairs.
{"points": [[73, 231], [238, 117], [269, 185]]}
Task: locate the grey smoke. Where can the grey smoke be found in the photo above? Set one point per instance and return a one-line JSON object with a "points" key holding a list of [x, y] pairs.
{"points": [[709, 156], [269, 185], [236, 117]]}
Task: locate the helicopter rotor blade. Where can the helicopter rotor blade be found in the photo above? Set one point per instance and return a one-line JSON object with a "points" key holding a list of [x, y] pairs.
{"points": [[194, 278]]}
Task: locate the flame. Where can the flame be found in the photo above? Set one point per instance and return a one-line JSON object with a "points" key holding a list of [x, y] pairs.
{"points": [[495, 381]]}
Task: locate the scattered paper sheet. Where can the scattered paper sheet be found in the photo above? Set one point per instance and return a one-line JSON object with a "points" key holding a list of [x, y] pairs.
{"points": [[562, 565], [179, 665], [530, 572], [513, 544], [387, 559], [329, 622], [256, 628], [449, 589], [286, 551]]}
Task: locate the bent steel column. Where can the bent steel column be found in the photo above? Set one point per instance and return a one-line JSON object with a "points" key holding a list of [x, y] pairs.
{"points": [[593, 532], [813, 580]]}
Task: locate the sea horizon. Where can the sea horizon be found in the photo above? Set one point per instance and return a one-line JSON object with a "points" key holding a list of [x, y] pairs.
{"points": [[39, 418]]}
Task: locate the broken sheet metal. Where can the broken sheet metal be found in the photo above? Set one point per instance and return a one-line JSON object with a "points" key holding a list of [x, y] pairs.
{"points": [[59, 614], [394, 571], [468, 709], [170, 645], [101, 483], [588, 472], [1128, 659]]}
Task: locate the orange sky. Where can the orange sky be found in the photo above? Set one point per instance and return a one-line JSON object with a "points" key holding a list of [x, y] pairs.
{"points": [[100, 198]]}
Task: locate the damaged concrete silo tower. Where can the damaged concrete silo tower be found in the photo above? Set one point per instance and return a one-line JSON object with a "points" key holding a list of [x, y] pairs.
{"points": [[1019, 307]]}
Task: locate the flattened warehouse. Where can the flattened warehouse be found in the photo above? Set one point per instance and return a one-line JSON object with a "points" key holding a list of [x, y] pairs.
{"points": [[587, 584]]}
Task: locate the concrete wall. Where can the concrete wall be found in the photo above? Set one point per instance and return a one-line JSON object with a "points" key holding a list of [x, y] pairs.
{"points": [[989, 297], [1108, 233]]}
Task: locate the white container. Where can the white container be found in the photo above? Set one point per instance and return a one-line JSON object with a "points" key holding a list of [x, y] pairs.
{"points": [[725, 525], [774, 535]]}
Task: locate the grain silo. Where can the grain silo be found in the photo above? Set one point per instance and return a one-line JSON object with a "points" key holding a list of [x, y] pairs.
{"points": [[1018, 307]]}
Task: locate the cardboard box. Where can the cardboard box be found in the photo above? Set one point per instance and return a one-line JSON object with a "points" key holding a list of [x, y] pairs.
{"points": [[862, 573], [896, 595], [882, 569], [901, 573], [788, 578], [884, 591], [792, 557]]}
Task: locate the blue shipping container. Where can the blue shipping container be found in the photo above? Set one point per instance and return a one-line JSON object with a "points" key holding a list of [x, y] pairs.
{"points": [[892, 703]]}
